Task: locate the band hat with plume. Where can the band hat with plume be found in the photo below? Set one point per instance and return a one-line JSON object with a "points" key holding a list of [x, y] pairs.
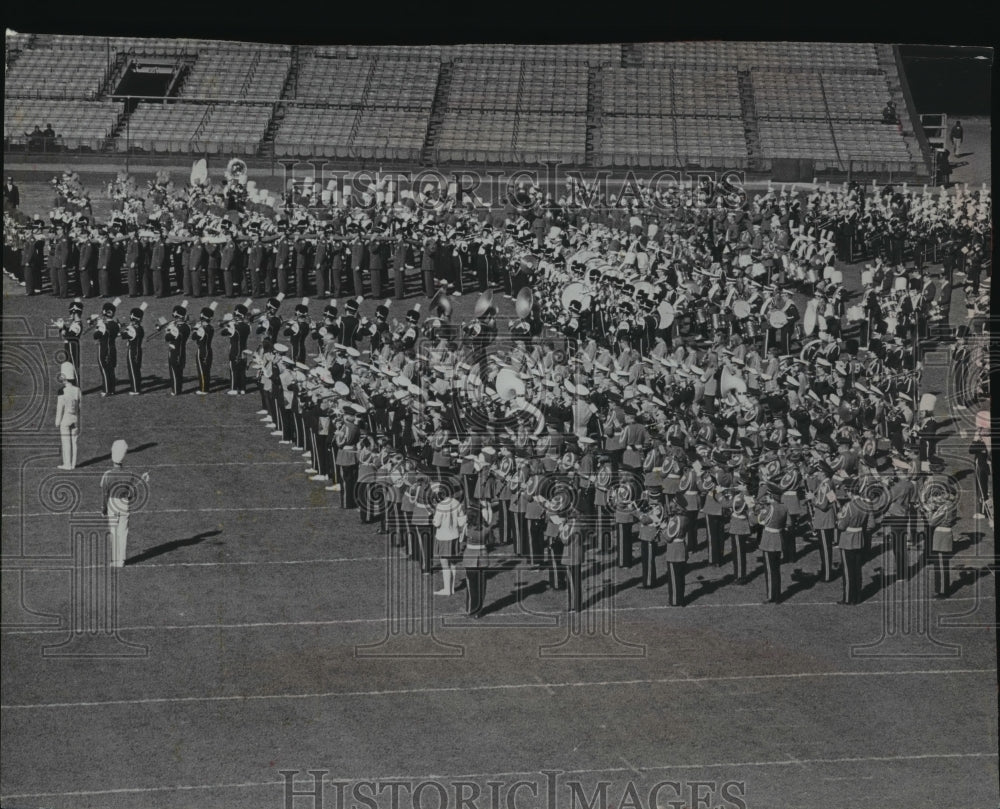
{"points": [[118, 450]]}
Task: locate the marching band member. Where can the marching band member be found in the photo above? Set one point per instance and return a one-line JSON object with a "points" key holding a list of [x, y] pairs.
{"points": [[133, 334], [71, 332], [739, 536], [714, 510], [203, 333], [481, 523], [450, 523], [773, 518], [236, 328], [176, 336], [298, 330], [346, 437], [119, 491], [851, 519], [106, 333], [270, 324], [676, 553], [898, 522], [650, 526], [68, 415], [554, 545], [942, 515], [823, 504], [571, 536]]}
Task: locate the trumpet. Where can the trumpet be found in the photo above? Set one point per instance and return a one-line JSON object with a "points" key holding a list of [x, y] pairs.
{"points": [[92, 322]]}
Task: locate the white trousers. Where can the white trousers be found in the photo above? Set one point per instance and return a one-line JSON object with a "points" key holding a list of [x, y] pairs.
{"points": [[118, 530], [68, 433]]}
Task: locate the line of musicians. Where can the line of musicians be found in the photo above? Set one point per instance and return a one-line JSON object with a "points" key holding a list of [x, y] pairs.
{"points": [[787, 238], [331, 261], [606, 458]]}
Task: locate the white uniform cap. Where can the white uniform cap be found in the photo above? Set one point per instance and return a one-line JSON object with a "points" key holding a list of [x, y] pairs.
{"points": [[67, 371], [118, 450]]}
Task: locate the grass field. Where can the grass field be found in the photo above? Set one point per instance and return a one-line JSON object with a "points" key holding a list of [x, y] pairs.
{"points": [[249, 595]]}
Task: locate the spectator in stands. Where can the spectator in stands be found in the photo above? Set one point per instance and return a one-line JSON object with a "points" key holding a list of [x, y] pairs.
{"points": [[49, 133], [11, 194], [956, 136], [889, 115], [35, 137]]}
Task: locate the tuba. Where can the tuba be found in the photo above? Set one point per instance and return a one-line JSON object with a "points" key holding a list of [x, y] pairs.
{"points": [[441, 305], [236, 171], [340, 435], [525, 303], [566, 462], [764, 514], [730, 381], [484, 303]]}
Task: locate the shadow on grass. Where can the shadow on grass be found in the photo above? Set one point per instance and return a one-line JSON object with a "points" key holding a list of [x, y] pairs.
{"points": [[167, 547], [107, 457]]}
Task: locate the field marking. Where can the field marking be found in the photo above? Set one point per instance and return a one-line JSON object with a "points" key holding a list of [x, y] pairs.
{"points": [[493, 687], [511, 774], [141, 512], [383, 618]]}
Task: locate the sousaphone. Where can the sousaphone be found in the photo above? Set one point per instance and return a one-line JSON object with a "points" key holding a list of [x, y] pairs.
{"points": [[525, 303], [484, 303]]}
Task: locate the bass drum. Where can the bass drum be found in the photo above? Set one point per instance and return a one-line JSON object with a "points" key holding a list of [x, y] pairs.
{"points": [[576, 291], [666, 313]]}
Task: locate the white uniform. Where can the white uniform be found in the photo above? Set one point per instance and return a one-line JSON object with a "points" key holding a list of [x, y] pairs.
{"points": [[68, 422], [119, 490]]}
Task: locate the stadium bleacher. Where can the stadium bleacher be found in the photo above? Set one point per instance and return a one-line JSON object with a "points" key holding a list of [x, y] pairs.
{"points": [[710, 104], [187, 127], [476, 136], [50, 73], [315, 132], [826, 56], [78, 124], [396, 83], [542, 137], [250, 76]]}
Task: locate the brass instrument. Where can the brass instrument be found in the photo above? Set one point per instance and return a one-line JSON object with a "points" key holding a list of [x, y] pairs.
{"points": [[484, 303], [525, 303]]}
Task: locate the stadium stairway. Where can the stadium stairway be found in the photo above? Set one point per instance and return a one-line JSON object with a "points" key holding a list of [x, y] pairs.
{"points": [[829, 122], [439, 106], [751, 126], [887, 63], [115, 74], [119, 127], [595, 100], [289, 90]]}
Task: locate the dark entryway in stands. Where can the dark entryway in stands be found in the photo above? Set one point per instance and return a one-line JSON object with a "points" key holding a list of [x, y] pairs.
{"points": [[138, 81], [949, 79]]}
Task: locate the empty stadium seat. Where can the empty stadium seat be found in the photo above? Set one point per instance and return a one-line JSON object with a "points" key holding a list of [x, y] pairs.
{"points": [[76, 123]]}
